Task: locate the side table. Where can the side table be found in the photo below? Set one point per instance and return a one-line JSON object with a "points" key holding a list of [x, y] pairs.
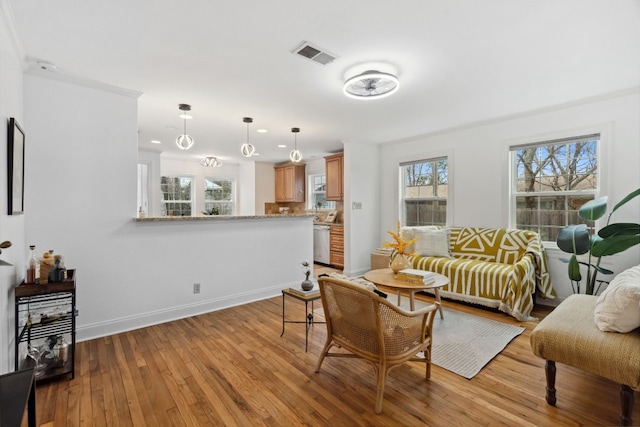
{"points": [[308, 314]]}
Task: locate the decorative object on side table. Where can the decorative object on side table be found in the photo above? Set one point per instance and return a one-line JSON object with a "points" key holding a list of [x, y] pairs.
{"points": [[307, 285], [400, 261]]}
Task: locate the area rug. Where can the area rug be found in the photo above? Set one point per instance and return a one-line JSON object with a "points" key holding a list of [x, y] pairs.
{"points": [[464, 343]]}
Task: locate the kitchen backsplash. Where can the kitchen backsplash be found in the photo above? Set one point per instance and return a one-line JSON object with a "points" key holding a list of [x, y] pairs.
{"points": [[300, 208]]}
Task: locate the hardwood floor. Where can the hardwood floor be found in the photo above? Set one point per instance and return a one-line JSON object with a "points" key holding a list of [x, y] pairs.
{"points": [[232, 368]]}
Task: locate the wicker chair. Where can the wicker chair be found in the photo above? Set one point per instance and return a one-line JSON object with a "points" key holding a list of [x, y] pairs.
{"points": [[371, 328]]}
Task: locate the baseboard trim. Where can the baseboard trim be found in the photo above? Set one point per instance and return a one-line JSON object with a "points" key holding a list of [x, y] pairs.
{"points": [[142, 320]]}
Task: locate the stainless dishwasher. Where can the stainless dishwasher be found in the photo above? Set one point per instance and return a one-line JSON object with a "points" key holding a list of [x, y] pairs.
{"points": [[321, 251]]}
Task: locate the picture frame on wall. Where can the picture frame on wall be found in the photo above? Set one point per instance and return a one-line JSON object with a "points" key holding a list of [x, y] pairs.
{"points": [[15, 168]]}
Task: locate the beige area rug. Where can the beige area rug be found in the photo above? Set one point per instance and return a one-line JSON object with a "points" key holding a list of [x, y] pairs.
{"points": [[464, 343]]}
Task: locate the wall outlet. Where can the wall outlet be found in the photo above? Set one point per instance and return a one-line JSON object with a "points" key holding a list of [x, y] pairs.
{"points": [[196, 288], [357, 205]]}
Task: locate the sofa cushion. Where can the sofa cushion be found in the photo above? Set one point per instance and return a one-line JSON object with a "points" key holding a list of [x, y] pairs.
{"points": [[432, 243], [490, 244], [618, 308]]}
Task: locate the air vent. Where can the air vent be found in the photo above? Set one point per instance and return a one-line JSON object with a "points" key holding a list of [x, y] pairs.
{"points": [[314, 53]]}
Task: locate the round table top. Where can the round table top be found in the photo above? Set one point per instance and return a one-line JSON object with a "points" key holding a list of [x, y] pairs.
{"points": [[386, 277]]}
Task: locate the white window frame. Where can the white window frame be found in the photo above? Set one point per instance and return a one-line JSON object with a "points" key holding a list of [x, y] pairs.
{"points": [[163, 202], [401, 187], [605, 132], [232, 201], [328, 205]]}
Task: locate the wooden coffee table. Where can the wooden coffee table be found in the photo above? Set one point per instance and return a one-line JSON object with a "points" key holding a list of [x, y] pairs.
{"points": [[386, 277]]}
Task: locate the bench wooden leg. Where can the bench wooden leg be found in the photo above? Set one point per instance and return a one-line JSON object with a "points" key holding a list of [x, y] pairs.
{"points": [[626, 404], [550, 372]]}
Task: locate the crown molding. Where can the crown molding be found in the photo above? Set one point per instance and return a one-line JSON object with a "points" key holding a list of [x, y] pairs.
{"points": [[8, 21], [81, 81]]}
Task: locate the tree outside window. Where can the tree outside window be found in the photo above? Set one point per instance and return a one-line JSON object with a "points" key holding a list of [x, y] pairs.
{"points": [[218, 196], [553, 179], [425, 186], [177, 197]]}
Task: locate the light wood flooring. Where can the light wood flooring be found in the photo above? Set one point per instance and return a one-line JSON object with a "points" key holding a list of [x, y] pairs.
{"points": [[232, 368]]}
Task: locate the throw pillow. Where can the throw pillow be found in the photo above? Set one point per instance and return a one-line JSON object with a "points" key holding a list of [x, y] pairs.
{"points": [[432, 243], [618, 308], [409, 233]]}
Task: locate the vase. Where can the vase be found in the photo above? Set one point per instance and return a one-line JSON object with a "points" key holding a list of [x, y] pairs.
{"points": [[400, 262], [307, 285]]}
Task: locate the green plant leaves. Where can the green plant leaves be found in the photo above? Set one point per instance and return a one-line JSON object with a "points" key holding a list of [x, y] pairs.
{"points": [[614, 244], [574, 239], [574, 269], [593, 209]]}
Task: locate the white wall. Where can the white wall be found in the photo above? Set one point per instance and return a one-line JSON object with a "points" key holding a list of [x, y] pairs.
{"points": [[361, 185], [82, 200], [11, 226], [479, 159]]}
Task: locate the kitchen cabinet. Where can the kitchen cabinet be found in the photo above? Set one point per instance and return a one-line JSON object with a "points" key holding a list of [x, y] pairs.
{"points": [[334, 175], [290, 183], [336, 245]]}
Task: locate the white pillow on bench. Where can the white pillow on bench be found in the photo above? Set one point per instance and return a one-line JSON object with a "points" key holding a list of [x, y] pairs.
{"points": [[618, 308]]}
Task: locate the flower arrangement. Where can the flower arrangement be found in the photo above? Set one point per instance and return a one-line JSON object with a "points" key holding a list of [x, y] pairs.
{"points": [[306, 269], [399, 244]]}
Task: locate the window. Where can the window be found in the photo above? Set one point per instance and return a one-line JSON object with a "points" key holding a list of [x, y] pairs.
{"points": [[317, 194], [218, 196], [552, 180], [177, 197], [425, 184]]}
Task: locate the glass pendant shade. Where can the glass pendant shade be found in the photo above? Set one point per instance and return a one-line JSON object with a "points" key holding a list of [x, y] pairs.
{"points": [[247, 149], [295, 154], [184, 141]]}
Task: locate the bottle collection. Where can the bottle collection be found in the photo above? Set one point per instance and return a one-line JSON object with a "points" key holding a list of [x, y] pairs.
{"points": [[48, 269]]}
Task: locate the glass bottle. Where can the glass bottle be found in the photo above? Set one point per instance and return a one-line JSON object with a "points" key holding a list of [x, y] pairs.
{"points": [[32, 266]]}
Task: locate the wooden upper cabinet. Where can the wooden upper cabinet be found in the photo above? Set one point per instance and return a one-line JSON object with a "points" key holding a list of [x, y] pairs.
{"points": [[290, 183], [334, 174]]}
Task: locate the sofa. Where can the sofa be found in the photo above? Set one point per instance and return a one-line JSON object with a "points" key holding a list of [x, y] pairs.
{"points": [[493, 267]]}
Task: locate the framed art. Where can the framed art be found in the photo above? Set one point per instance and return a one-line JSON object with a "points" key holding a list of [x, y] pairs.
{"points": [[15, 160]]}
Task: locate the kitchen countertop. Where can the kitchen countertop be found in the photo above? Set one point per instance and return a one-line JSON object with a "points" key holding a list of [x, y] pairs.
{"points": [[218, 217], [334, 224]]}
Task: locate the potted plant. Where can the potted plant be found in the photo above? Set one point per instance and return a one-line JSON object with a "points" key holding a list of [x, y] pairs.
{"points": [[612, 239]]}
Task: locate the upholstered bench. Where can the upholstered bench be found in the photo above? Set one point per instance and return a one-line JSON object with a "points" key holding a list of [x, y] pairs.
{"points": [[569, 335]]}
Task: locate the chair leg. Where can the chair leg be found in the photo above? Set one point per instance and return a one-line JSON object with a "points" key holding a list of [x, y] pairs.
{"points": [[327, 346], [626, 402], [550, 372], [381, 372]]}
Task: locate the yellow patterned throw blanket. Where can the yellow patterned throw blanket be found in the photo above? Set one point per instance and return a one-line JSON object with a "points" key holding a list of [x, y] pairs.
{"points": [[495, 267]]}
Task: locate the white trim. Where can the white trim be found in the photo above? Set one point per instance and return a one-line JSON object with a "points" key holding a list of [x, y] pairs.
{"points": [[603, 129], [9, 23], [427, 156], [525, 114], [142, 320]]}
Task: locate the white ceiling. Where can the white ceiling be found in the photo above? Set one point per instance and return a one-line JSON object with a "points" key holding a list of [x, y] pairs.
{"points": [[458, 61]]}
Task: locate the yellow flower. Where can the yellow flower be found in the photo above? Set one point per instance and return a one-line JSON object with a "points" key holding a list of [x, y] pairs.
{"points": [[400, 244]]}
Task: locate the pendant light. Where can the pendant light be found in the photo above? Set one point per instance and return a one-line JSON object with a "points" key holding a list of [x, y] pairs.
{"points": [[295, 155], [184, 141], [211, 161], [247, 149]]}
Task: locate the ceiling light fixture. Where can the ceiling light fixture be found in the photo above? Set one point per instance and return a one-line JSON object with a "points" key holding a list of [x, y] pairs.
{"points": [[247, 149], [295, 155], [211, 161], [371, 85], [184, 141]]}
